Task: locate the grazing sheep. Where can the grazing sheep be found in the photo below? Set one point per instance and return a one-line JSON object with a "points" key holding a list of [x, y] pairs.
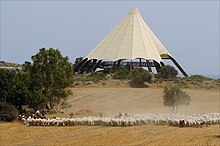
{"points": [[125, 119]]}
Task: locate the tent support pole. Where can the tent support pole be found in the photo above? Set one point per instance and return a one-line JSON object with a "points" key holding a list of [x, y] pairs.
{"points": [[178, 66], [148, 66], [118, 63], [157, 66], [83, 68], [113, 65], [79, 65], [140, 62], [131, 66], [91, 66], [96, 65]]}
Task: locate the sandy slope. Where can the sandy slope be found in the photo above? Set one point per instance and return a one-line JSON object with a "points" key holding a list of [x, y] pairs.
{"points": [[139, 100]]}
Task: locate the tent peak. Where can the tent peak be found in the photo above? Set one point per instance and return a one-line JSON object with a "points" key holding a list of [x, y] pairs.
{"points": [[134, 12]]}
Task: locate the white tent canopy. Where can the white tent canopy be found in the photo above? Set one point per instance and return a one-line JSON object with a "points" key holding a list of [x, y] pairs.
{"points": [[131, 38]]}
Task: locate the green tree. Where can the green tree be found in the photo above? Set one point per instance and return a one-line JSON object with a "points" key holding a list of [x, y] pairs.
{"points": [[168, 72], [138, 76], [52, 73], [18, 89], [174, 96]]}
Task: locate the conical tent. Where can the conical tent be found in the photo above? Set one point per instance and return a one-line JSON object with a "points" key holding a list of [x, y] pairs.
{"points": [[131, 38]]}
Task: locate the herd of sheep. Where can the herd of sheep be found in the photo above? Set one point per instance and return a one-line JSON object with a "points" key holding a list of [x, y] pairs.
{"points": [[125, 119]]}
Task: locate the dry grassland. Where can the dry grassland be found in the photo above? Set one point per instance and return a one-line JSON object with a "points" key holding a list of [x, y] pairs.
{"points": [[91, 100], [17, 134]]}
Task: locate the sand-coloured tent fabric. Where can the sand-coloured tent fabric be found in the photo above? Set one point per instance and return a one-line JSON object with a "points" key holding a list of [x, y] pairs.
{"points": [[131, 38]]}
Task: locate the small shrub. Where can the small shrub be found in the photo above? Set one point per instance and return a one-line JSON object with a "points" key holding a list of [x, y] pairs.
{"points": [[138, 77], [95, 77], [71, 115], [8, 112], [198, 78], [122, 74], [168, 72], [103, 84], [158, 80]]}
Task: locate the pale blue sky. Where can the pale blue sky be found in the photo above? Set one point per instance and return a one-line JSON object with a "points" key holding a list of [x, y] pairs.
{"points": [[189, 30]]}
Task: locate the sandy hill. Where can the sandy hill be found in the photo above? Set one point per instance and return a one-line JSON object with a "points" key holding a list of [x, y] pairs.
{"points": [[117, 96]]}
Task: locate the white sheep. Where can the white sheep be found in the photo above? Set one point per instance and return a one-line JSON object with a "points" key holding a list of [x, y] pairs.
{"points": [[126, 119]]}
